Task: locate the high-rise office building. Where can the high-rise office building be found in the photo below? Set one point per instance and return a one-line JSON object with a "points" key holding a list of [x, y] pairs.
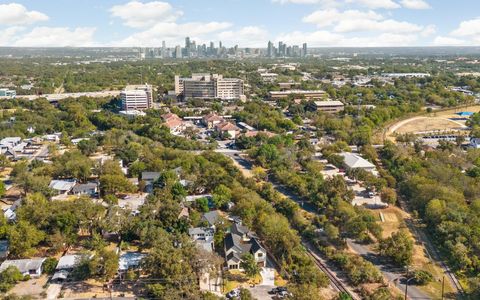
{"points": [[304, 50], [178, 52], [137, 97], [270, 50]]}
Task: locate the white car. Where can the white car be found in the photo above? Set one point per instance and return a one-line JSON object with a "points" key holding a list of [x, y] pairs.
{"points": [[233, 294]]}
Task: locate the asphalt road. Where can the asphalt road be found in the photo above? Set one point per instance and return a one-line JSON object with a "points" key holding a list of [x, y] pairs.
{"points": [[392, 274]]}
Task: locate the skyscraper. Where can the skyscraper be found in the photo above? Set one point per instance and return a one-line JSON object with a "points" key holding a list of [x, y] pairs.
{"points": [[270, 49], [304, 50], [178, 52]]}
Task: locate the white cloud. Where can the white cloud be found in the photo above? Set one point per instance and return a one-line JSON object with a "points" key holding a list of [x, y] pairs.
{"points": [[17, 14], [468, 28], [376, 4], [173, 33], [467, 34], [448, 41], [323, 38], [415, 4], [138, 14], [323, 18], [392, 26], [429, 30], [297, 1], [360, 21], [8, 34], [57, 37], [250, 36]]}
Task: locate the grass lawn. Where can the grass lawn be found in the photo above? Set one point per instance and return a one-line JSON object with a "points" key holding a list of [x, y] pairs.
{"points": [[235, 279]]}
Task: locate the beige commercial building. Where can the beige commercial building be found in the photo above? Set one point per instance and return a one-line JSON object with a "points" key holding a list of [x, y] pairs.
{"points": [[308, 95], [207, 86], [331, 106]]}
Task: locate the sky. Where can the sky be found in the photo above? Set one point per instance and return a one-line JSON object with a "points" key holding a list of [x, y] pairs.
{"points": [[248, 23]]}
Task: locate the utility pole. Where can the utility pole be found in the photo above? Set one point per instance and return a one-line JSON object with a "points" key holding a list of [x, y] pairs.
{"points": [[406, 284], [443, 286]]}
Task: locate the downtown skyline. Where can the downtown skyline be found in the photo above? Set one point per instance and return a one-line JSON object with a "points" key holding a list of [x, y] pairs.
{"points": [[320, 23]]}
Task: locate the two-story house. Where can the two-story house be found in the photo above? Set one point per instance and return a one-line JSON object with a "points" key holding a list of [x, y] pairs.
{"points": [[239, 242]]}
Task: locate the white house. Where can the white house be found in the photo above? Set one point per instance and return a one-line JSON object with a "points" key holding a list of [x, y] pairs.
{"points": [[32, 267], [203, 237], [355, 161], [62, 187], [65, 266]]}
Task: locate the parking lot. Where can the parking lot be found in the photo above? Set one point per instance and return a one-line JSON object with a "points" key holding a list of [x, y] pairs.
{"points": [[362, 197]]}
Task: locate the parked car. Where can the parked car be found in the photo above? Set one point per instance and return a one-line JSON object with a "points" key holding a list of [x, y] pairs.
{"points": [[233, 294], [277, 290]]}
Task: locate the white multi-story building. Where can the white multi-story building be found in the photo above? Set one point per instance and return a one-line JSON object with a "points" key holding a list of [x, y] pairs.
{"points": [[207, 86], [228, 88], [137, 97], [7, 93]]}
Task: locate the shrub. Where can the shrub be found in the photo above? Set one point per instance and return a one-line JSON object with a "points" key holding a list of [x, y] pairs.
{"points": [[422, 277], [49, 265]]}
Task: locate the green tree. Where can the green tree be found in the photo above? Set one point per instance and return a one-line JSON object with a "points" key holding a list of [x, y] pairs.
{"points": [[388, 195], [245, 294], [9, 277], [49, 265], [2, 188], [202, 204], [113, 184], [249, 265], [398, 248], [23, 237], [88, 147], [221, 196]]}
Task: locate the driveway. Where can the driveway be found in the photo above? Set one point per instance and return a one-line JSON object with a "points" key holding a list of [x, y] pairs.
{"points": [[260, 292], [268, 276], [53, 291]]}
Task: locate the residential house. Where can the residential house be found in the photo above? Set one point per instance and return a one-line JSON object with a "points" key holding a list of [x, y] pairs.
{"points": [[239, 242], [227, 130], [203, 237], [133, 202], [89, 189], [65, 266], [32, 267], [62, 187], [211, 120], [255, 133], [174, 123], [355, 161], [193, 198], [149, 178], [212, 218], [130, 260]]}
